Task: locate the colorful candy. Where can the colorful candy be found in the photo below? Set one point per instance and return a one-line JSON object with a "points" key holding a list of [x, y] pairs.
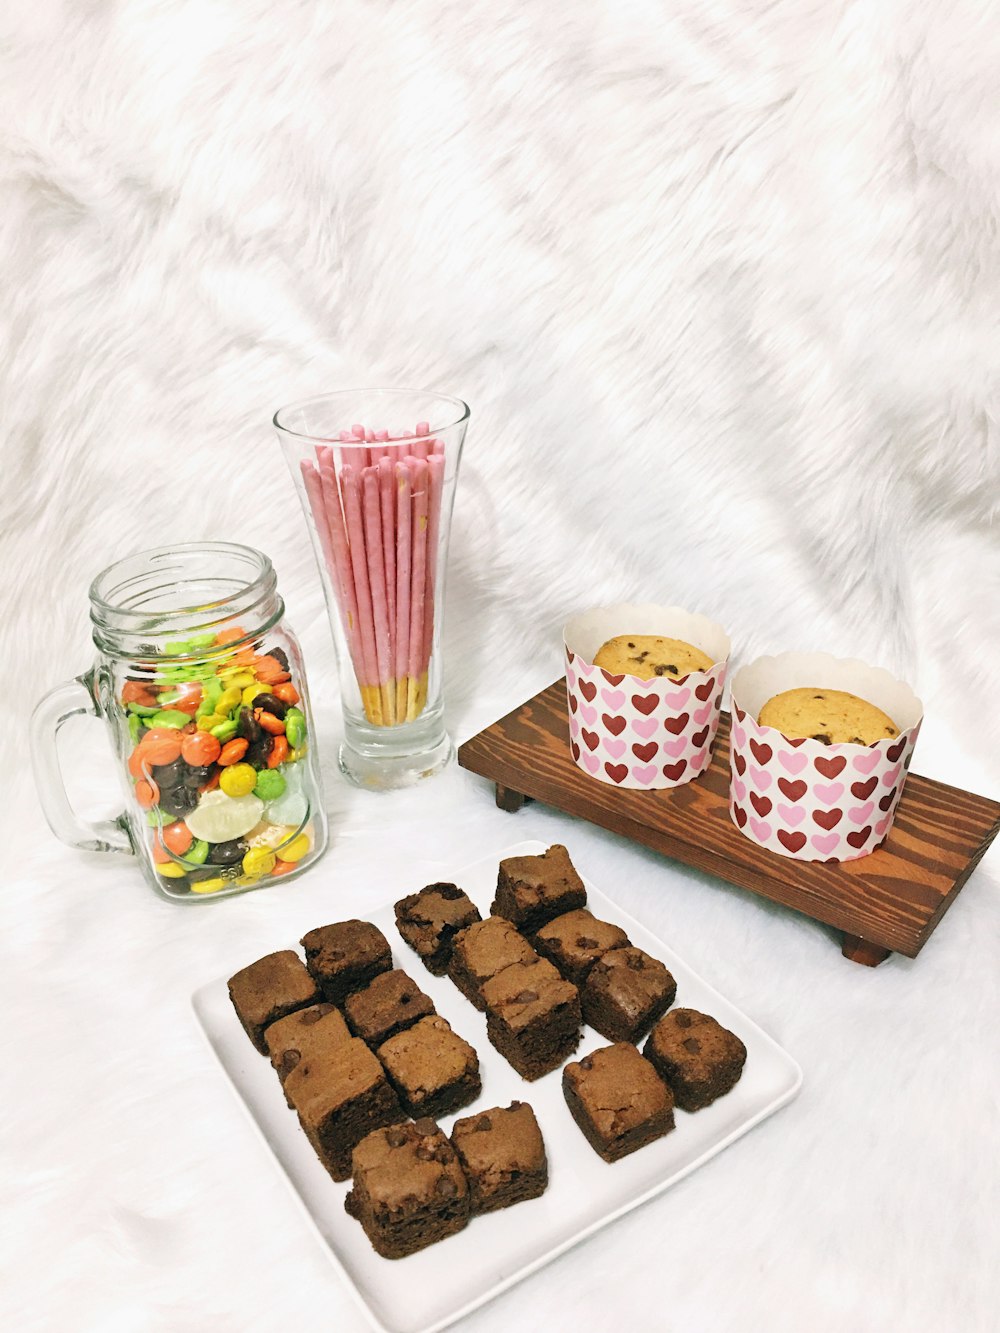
{"points": [[216, 742]]}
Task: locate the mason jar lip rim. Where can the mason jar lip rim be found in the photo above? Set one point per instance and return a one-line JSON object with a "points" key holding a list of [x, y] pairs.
{"points": [[464, 413], [99, 591]]}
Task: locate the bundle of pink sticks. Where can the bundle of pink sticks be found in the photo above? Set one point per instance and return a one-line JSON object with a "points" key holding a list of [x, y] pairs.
{"points": [[378, 519]]}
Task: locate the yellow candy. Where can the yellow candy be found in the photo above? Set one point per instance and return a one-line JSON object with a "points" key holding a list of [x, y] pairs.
{"points": [[212, 720], [238, 779], [258, 861], [296, 849], [243, 679], [300, 753], [212, 885], [171, 870], [251, 692], [228, 700]]}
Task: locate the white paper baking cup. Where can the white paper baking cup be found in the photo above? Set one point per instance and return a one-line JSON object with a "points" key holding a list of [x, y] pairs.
{"points": [[643, 734], [804, 799]]}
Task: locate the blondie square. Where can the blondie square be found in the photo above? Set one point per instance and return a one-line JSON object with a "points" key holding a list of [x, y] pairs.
{"points": [[268, 989]]}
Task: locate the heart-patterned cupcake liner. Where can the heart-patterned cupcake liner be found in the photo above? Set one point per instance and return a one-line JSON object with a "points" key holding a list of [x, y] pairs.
{"points": [[642, 734], [805, 799]]}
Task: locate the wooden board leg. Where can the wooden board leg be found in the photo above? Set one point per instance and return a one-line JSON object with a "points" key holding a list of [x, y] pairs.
{"points": [[863, 951], [508, 800]]}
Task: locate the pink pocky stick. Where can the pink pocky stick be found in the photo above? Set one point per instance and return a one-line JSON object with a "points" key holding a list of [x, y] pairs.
{"points": [[435, 476], [376, 579], [354, 522], [404, 553], [418, 586], [387, 505], [314, 492], [344, 584]]}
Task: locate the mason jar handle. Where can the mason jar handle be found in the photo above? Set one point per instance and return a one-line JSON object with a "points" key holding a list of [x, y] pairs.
{"points": [[72, 698]]}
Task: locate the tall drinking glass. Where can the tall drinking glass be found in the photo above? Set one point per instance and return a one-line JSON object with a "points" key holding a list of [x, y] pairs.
{"points": [[376, 471]]}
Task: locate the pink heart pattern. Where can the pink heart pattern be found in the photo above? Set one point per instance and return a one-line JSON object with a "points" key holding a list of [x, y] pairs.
{"points": [[830, 794], [642, 734]]}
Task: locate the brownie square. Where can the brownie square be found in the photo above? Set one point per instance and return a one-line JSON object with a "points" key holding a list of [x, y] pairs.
{"points": [[697, 1057], [346, 956], [533, 889], [575, 941], [618, 1100], [432, 1068], [626, 991], [429, 921], [392, 1002], [311, 1032], [267, 990], [409, 1189], [484, 949], [341, 1100], [532, 1017], [503, 1156]]}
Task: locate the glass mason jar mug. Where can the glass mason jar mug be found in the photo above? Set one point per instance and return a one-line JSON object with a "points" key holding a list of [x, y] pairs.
{"points": [[201, 684]]}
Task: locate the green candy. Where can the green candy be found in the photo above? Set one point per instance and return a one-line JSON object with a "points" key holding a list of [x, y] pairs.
{"points": [[270, 784], [134, 727], [143, 710], [170, 717], [225, 731], [197, 853], [201, 641], [155, 819], [295, 727]]}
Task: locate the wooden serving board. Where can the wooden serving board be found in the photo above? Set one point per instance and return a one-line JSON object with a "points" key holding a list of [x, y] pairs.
{"points": [[889, 901]]}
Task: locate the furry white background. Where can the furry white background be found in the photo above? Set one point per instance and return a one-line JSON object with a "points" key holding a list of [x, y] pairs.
{"points": [[721, 283]]}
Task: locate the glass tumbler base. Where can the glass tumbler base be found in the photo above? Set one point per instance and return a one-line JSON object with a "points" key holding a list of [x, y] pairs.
{"points": [[389, 771]]}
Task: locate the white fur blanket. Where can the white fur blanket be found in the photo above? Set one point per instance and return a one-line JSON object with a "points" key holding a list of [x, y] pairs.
{"points": [[720, 282]]}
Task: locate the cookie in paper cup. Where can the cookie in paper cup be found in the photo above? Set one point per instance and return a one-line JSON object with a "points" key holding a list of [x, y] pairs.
{"points": [[642, 734], [804, 798]]}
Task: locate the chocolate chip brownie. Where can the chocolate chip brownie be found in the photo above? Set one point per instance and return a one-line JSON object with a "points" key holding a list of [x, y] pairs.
{"points": [[268, 989], [697, 1057], [432, 1068], [345, 956], [532, 1017], [626, 991], [503, 1156], [618, 1099], [575, 941], [390, 1003], [310, 1032], [533, 889], [481, 951], [429, 921]]}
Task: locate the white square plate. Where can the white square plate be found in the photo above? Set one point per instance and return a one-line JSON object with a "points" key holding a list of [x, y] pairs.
{"points": [[431, 1289]]}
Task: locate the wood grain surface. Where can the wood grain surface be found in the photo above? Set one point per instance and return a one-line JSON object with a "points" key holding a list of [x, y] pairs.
{"points": [[891, 900]]}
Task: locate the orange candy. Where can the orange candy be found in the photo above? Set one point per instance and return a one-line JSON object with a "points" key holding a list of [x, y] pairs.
{"points": [[287, 693], [160, 855], [138, 764], [164, 748], [200, 749], [230, 635], [279, 752], [270, 671], [233, 751], [270, 723], [138, 692], [189, 700], [211, 784], [282, 867], [147, 794], [177, 837]]}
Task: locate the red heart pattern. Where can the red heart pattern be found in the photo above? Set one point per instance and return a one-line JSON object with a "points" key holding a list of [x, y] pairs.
{"points": [[842, 814], [624, 745]]}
